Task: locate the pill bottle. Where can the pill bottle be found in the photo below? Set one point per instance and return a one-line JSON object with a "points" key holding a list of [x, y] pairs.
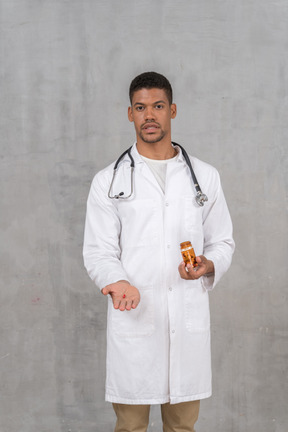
{"points": [[188, 253]]}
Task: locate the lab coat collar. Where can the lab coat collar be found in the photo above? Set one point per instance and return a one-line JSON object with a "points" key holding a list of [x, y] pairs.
{"points": [[138, 159]]}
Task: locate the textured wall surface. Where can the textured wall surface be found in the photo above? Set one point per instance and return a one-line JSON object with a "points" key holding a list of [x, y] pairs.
{"points": [[65, 70]]}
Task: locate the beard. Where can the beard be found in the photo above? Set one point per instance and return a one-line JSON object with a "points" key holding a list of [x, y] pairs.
{"points": [[153, 139]]}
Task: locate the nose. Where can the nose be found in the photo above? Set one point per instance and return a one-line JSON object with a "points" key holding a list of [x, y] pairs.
{"points": [[149, 113]]}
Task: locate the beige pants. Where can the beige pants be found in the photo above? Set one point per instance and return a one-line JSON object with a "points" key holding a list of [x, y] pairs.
{"points": [[176, 418]]}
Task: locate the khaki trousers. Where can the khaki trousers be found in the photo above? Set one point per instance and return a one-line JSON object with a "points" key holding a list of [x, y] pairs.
{"points": [[176, 418]]}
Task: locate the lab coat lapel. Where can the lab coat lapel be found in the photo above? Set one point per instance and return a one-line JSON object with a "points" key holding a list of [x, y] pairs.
{"points": [[143, 169]]}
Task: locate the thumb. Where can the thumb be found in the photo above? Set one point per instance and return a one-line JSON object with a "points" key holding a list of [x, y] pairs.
{"points": [[105, 291]]}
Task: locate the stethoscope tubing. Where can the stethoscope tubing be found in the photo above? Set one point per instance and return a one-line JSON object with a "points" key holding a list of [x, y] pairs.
{"points": [[188, 162], [200, 197]]}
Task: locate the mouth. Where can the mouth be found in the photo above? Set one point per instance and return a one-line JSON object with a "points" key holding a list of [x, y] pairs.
{"points": [[150, 127]]}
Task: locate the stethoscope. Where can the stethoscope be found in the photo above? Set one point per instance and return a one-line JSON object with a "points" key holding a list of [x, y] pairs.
{"points": [[200, 197]]}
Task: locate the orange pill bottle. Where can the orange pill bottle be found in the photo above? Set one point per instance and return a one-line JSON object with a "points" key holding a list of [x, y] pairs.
{"points": [[188, 253]]}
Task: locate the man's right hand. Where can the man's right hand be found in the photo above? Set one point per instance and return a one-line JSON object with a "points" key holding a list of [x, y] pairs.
{"points": [[124, 295]]}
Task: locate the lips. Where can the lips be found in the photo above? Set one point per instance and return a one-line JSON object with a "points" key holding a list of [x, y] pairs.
{"points": [[150, 127]]}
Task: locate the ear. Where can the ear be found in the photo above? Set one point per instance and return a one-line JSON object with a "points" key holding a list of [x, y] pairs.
{"points": [[173, 110], [130, 114]]}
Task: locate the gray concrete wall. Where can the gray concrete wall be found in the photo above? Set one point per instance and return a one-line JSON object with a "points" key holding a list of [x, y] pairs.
{"points": [[65, 70]]}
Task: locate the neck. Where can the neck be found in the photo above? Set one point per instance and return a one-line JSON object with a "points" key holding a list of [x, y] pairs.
{"points": [[156, 151]]}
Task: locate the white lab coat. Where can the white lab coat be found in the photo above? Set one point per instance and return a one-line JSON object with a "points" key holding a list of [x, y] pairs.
{"points": [[159, 352]]}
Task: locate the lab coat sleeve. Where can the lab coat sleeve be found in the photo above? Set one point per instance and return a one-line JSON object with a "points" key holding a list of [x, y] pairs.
{"points": [[101, 250], [218, 241]]}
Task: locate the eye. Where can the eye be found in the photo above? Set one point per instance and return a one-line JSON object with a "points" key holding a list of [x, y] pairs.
{"points": [[139, 108], [159, 106]]}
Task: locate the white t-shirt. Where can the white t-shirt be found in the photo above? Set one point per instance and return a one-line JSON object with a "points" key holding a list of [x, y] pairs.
{"points": [[159, 168]]}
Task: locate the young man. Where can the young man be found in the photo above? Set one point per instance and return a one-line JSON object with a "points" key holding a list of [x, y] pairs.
{"points": [[158, 329]]}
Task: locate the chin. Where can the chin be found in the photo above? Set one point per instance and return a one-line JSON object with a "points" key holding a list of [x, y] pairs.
{"points": [[152, 139]]}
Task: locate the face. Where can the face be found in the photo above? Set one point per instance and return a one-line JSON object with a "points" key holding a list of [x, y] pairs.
{"points": [[151, 114]]}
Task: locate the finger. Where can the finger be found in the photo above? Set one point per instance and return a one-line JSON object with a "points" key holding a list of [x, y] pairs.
{"points": [[200, 262], [105, 291], [181, 266], [135, 302], [122, 305], [128, 305], [196, 272], [116, 303], [182, 271], [191, 270], [202, 258], [191, 273]]}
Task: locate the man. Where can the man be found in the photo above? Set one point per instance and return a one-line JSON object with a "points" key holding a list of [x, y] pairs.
{"points": [[158, 325]]}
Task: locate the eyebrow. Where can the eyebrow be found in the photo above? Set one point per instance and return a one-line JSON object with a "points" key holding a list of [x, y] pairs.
{"points": [[154, 103]]}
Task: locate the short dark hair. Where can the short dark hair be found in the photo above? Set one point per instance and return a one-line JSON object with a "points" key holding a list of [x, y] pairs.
{"points": [[151, 80]]}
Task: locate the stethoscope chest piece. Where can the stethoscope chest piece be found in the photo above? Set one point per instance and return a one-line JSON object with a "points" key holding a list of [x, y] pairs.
{"points": [[201, 198]]}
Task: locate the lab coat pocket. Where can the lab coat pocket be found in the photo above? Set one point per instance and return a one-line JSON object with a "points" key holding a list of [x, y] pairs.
{"points": [[137, 322], [138, 222], [197, 314], [192, 215]]}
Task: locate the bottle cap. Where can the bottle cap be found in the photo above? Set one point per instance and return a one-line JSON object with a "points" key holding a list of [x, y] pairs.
{"points": [[185, 244]]}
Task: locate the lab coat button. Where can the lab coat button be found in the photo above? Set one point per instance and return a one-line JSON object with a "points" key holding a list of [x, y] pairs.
{"points": [[167, 204], [170, 288], [173, 331], [168, 246]]}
